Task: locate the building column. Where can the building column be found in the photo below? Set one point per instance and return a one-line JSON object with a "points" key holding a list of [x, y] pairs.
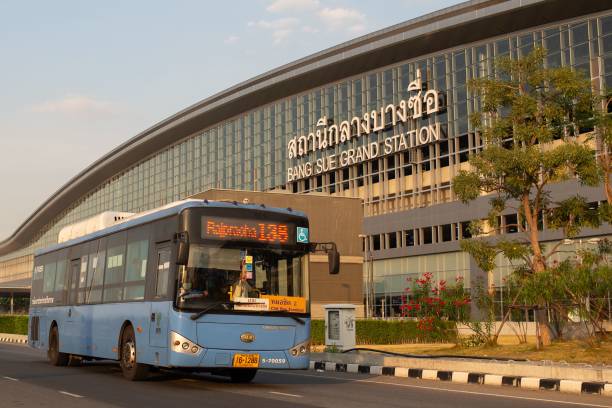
{"points": [[12, 303]]}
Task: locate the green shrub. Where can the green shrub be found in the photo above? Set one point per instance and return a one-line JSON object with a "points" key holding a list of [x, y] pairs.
{"points": [[388, 332], [317, 332], [15, 324]]}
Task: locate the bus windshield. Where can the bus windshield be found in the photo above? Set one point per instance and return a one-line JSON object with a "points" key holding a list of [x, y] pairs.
{"points": [[271, 278]]}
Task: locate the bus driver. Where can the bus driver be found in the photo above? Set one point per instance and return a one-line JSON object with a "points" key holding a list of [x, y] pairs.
{"points": [[242, 288]]}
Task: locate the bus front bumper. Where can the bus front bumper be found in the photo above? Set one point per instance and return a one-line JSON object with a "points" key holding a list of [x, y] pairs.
{"points": [[220, 358]]}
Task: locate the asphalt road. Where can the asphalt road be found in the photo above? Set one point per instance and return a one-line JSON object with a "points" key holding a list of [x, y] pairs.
{"points": [[27, 380]]}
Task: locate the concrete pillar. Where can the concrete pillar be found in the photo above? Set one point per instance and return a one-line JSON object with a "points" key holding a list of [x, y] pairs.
{"points": [[12, 303]]}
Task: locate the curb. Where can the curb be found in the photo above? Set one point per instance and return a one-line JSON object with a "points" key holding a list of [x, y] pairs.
{"points": [[530, 383], [13, 340]]}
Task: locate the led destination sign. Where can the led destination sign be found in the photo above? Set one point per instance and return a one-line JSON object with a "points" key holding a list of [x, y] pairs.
{"points": [[238, 229]]}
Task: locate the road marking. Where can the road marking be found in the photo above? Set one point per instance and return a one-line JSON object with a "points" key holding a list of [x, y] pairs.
{"points": [[285, 394], [583, 404], [71, 394], [10, 378]]}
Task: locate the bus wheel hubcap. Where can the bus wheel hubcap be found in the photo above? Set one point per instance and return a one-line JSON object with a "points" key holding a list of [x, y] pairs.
{"points": [[129, 354]]}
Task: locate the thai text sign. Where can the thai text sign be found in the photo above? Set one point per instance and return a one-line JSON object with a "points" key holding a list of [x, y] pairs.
{"points": [[420, 104]]}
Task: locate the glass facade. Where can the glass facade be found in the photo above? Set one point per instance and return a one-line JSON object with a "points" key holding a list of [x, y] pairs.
{"points": [[249, 151]]}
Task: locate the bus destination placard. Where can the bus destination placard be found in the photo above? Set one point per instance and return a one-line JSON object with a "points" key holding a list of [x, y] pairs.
{"points": [[240, 229]]}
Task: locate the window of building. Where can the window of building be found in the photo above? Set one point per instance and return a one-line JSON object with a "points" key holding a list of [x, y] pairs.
{"points": [[463, 148], [465, 230], [375, 176], [360, 172], [392, 237], [345, 178], [444, 154], [376, 242], [446, 231], [427, 235], [426, 164], [391, 168], [407, 164], [409, 237], [511, 223], [332, 182]]}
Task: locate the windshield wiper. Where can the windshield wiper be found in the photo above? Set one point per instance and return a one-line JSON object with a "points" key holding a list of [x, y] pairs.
{"points": [[209, 308], [264, 313], [284, 314]]}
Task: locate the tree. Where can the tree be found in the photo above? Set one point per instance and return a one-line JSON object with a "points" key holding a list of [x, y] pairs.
{"points": [[577, 287], [603, 136], [530, 121]]}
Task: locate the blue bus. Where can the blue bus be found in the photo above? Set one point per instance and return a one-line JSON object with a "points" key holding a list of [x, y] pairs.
{"points": [[219, 287]]}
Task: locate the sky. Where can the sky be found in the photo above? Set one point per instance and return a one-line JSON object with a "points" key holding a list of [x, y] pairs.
{"points": [[78, 78]]}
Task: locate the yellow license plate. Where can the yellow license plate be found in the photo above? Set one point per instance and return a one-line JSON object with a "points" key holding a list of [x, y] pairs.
{"points": [[246, 360]]}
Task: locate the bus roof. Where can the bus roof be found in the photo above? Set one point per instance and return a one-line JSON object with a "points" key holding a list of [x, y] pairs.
{"points": [[164, 212]]}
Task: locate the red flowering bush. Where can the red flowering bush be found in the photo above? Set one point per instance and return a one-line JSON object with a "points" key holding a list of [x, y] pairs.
{"points": [[433, 303]]}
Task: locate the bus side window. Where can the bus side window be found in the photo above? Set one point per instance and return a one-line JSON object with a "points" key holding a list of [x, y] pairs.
{"points": [[37, 278], [82, 286], [115, 266], [49, 278], [163, 270], [136, 269], [60, 279], [95, 277]]}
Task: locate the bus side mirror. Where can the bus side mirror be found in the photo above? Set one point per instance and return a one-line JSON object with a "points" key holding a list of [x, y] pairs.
{"points": [[333, 259], [182, 253], [333, 256]]}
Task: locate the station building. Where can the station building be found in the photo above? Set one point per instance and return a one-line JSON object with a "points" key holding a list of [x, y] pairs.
{"points": [[382, 118]]}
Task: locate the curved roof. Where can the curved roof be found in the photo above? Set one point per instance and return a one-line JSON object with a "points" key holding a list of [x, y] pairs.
{"points": [[460, 24]]}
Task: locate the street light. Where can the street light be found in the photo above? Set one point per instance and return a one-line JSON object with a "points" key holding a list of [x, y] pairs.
{"points": [[369, 276]]}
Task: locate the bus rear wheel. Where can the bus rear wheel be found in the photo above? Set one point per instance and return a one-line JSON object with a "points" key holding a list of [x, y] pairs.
{"points": [[56, 357], [132, 370], [242, 375]]}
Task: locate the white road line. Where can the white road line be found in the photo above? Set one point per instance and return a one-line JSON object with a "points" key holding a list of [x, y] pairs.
{"points": [[71, 394], [285, 394], [582, 404], [10, 378]]}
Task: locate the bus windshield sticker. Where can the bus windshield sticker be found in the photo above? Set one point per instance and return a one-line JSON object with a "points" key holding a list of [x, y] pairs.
{"points": [[244, 303], [293, 304]]}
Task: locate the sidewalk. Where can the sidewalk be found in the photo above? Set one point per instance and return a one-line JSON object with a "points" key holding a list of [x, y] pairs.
{"points": [[574, 378]]}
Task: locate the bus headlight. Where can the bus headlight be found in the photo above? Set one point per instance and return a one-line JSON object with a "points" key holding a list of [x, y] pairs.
{"points": [[180, 344], [300, 349]]}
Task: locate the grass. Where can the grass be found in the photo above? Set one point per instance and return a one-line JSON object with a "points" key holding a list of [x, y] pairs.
{"points": [[560, 351], [14, 324], [568, 351]]}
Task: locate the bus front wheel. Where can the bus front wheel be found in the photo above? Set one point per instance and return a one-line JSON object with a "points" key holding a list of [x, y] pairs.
{"points": [[56, 357], [132, 370], [242, 375]]}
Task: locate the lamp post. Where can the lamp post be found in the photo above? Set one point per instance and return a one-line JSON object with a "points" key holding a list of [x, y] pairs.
{"points": [[369, 277]]}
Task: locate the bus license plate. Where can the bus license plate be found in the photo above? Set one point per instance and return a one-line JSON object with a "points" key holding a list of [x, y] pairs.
{"points": [[246, 360]]}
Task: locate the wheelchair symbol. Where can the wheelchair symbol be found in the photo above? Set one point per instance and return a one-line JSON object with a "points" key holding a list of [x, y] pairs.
{"points": [[302, 235]]}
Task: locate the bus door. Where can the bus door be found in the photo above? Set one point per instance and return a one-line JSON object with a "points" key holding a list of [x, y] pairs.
{"points": [[70, 330], [158, 328]]}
